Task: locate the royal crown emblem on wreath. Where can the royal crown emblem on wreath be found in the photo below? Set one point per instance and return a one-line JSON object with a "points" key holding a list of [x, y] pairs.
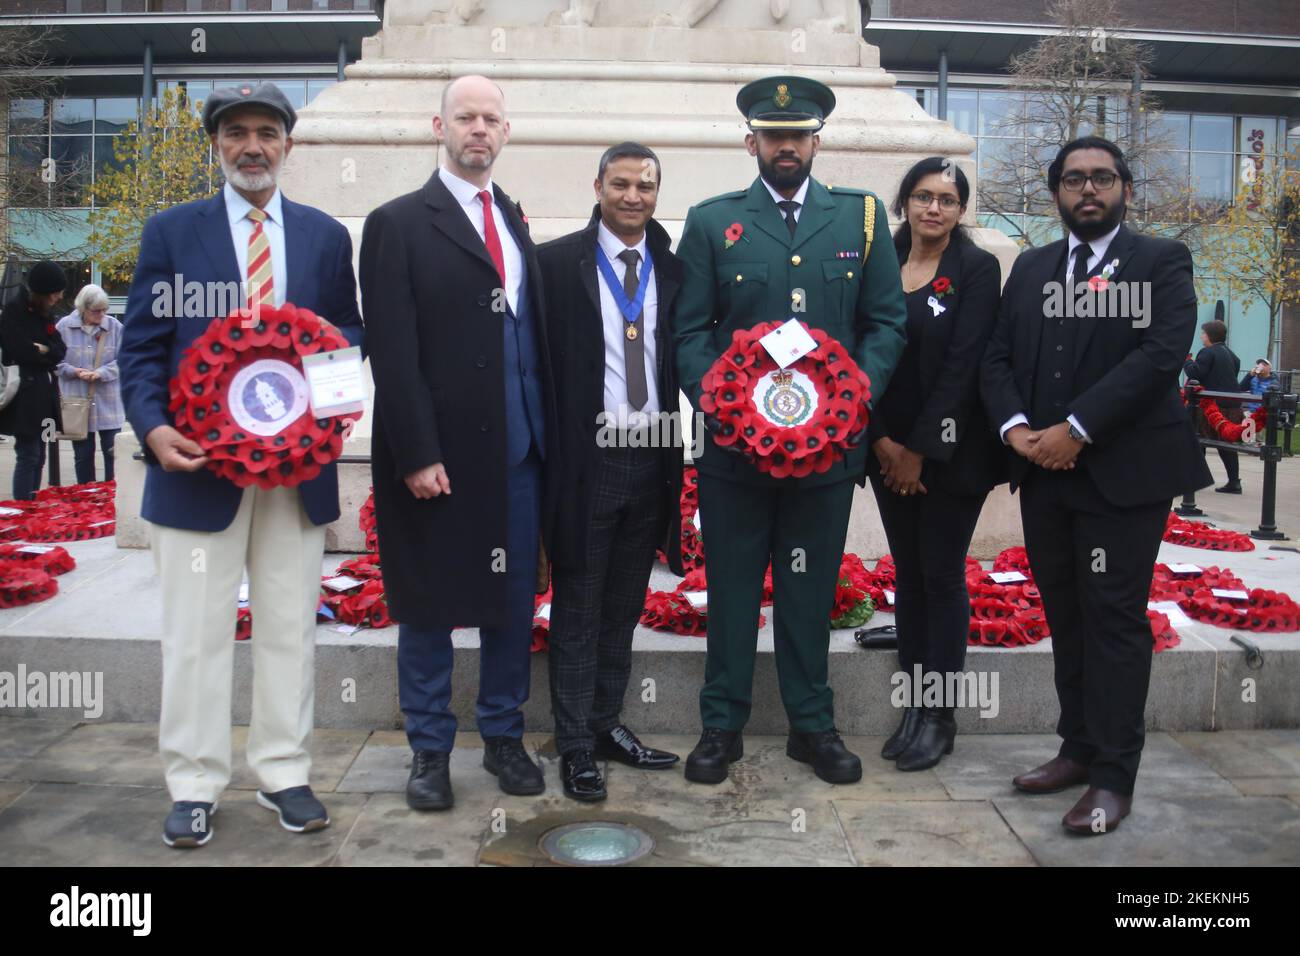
{"points": [[786, 401], [782, 97]]}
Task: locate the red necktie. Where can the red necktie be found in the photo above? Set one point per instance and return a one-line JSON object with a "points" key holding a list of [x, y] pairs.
{"points": [[490, 237]]}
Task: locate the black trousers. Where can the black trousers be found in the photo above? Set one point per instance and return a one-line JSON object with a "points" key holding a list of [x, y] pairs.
{"points": [[1092, 563], [596, 607], [29, 462], [929, 536]]}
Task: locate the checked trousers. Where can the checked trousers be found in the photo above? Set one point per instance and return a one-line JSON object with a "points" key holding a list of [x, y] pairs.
{"points": [[596, 607]]}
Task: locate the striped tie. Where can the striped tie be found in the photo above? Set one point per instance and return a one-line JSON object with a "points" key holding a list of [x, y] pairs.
{"points": [[261, 284]]}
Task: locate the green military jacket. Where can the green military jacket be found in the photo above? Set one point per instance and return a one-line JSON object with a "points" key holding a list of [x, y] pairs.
{"points": [[756, 278]]}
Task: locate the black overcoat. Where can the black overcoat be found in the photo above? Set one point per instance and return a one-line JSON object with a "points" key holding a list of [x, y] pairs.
{"points": [[436, 352]]}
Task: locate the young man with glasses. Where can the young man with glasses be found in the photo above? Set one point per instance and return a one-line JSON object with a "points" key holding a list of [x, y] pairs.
{"points": [[1090, 405]]}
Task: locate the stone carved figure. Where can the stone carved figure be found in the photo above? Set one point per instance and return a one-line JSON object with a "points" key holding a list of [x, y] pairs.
{"points": [[458, 14], [581, 13], [837, 15]]}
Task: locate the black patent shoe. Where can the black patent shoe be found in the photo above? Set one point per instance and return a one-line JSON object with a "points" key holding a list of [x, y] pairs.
{"points": [[932, 741], [515, 771], [830, 759], [429, 786], [904, 735], [581, 777], [622, 745], [709, 761]]}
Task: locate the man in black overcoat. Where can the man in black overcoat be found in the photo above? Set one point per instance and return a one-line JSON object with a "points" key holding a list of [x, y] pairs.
{"points": [[464, 407]]}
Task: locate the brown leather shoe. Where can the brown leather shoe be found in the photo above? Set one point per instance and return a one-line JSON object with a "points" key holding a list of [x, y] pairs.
{"points": [[1052, 777], [1098, 811]]}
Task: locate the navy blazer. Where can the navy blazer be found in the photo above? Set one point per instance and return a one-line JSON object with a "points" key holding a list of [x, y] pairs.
{"points": [[192, 243]]}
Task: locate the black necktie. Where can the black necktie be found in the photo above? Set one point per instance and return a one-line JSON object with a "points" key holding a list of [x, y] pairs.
{"points": [[1082, 253], [634, 341], [788, 206]]}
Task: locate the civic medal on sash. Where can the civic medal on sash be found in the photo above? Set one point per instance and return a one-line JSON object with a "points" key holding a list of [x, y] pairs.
{"points": [[631, 332]]}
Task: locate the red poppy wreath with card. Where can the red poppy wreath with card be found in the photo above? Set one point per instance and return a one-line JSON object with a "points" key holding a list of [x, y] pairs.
{"points": [[240, 393], [791, 421]]}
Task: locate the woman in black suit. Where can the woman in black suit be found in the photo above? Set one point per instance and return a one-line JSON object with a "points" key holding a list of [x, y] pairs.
{"points": [[934, 457]]}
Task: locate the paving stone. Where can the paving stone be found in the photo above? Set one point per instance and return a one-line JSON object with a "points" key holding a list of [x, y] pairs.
{"points": [[55, 824], [127, 755], [23, 737], [929, 833], [9, 792], [1254, 753], [981, 766], [1268, 786], [1170, 831]]}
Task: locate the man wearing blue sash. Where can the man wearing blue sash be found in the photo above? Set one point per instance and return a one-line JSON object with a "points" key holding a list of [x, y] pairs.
{"points": [[609, 290]]}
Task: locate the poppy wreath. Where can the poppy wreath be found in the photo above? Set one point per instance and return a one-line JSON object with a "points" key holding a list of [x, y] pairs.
{"points": [[1162, 632], [672, 611], [1264, 610], [786, 431], [53, 562], [853, 605], [243, 624], [1198, 534], [692, 537], [364, 606], [363, 566], [1226, 430], [541, 625], [22, 583], [1167, 586], [207, 369], [366, 521]]}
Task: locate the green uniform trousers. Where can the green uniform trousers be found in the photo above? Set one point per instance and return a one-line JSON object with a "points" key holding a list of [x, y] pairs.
{"points": [[801, 531]]}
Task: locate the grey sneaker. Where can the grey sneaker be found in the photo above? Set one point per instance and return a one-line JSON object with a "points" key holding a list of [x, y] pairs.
{"points": [[189, 824], [299, 810]]}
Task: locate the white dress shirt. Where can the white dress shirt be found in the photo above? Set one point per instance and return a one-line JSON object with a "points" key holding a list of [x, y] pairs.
{"points": [[466, 194], [615, 331], [1099, 247], [241, 230], [798, 197]]}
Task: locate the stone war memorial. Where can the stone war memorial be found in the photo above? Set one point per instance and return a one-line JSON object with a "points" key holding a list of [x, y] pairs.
{"points": [[81, 782]]}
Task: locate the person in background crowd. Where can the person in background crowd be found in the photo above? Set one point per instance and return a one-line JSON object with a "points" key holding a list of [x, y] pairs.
{"points": [[28, 339], [82, 331], [933, 457], [1216, 367], [1257, 381]]}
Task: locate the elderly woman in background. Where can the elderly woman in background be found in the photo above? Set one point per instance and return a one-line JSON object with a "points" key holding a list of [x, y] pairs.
{"points": [[82, 331], [28, 340]]}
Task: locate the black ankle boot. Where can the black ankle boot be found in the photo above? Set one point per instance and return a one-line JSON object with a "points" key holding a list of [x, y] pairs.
{"points": [[933, 740], [904, 735]]}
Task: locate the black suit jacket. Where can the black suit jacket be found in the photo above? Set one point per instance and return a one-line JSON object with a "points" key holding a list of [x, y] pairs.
{"points": [[437, 354], [950, 354], [1126, 395], [576, 334], [1216, 367]]}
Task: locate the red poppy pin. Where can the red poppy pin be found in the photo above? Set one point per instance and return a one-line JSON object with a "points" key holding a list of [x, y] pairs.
{"points": [[49, 328], [942, 286], [733, 234]]}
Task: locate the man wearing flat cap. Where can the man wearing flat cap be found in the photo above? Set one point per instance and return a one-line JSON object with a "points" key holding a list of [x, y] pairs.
{"points": [[785, 247], [205, 529]]}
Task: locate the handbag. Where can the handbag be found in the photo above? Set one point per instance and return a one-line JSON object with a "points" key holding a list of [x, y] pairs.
{"points": [[75, 412]]}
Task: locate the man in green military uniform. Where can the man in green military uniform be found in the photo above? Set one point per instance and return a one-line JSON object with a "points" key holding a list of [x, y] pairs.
{"points": [[786, 247]]}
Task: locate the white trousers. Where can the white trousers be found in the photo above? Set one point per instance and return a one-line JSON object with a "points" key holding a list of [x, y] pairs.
{"points": [[201, 572]]}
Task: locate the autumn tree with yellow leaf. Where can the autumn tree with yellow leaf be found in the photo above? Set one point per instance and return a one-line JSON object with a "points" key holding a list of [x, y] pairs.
{"points": [[167, 162], [1254, 243]]}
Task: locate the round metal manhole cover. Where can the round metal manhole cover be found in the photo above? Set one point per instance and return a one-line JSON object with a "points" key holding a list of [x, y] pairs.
{"points": [[596, 844]]}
